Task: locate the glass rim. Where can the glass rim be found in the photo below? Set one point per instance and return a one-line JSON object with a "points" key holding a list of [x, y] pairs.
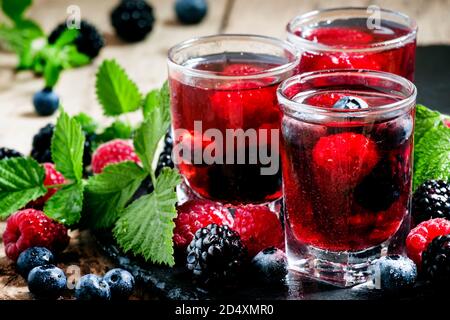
{"points": [[286, 103], [377, 46], [232, 36]]}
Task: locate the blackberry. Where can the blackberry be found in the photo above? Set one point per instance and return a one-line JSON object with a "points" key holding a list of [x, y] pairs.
{"points": [[89, 40], [436, 260], [215, 255], [431, 200], [165, 158], [146, 187], [41, 144], [380, 188], [132, 20], [6, 153]]}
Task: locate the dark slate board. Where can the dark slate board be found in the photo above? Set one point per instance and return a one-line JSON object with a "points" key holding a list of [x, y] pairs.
{"points": [[433, 83]]}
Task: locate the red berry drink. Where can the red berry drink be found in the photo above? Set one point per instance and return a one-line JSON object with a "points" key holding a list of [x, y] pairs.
{"points": [[347, 141], [355, 38], [225, 115]]}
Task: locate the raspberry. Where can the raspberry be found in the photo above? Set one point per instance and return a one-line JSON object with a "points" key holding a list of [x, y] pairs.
{"points": [[342, 160], [447, 122], [32, 228], [338, 36], [258, 227], [52, 177], [114, 151], [196, 214], [421, 236]]}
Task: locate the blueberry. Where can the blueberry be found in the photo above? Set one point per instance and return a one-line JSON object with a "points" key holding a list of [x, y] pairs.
{"points": [[350, 103], [121, 283], [270, 265], [45, 102], [33, 257], [394, 272], [191, 11], [46, 281], [392, 134], [92, 287]]}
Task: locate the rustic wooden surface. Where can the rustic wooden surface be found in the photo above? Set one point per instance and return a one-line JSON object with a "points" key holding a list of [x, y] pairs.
{"points": [[146, 63]]}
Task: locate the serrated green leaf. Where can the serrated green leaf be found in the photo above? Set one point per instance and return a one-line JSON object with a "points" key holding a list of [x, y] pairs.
{"points": [[88, 124], [66, 204], [68, 146], [116, 92], [432, 156], [14, 9], [426, 119], [151, 101], [107, 193], [146, 226], [21, 181]]}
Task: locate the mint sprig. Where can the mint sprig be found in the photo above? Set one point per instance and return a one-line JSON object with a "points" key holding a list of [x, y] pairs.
{"points": [[21, 181], [108, 193], [146, 226], [116, 92], [426, 120]]}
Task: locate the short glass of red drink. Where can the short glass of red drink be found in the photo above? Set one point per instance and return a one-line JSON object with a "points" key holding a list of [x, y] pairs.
{"points": [[355, 38], [347, 142], [225, 115]]}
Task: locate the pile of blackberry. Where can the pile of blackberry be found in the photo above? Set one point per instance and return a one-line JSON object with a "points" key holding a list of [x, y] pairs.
{"points": [[165, 157], [431, 200], [6, 153]]}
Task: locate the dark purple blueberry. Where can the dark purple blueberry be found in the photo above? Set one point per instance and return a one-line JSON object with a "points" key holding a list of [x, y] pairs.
{"points": [[46, 281], [33, 257], [350, 103]]}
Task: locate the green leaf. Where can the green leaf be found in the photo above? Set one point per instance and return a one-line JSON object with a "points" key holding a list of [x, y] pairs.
{"points": [[426, 119], [151, 101], [52, 71], [15, 9], [108, 193], [76, 58], [21, 181], [68, 36], [88, 124], [146, 226], [117, 130], [67, 147], [432, 156], [116, 92], [152, 130], [66, 204]]}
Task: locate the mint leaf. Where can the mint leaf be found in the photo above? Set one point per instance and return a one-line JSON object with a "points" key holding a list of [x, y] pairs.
{"points": [[152, 130], [426, 119], [108, 192], [14, 9], [21, 181], [52, 71], [146, 226], [68, 36], [66, 204], [432, 156], [68, 146], [88, 124], [116, 92], [117, 130]]}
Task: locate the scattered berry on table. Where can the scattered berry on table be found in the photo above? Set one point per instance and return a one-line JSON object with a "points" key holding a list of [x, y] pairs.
{"points": [[45, 102], [133, 20], [165, 158], [92, 287], [52, 177], [259, 228], [216, 255], [121, 283], [436, 261], [431, 200], [421, 236], [342, 160], [191, 11], [6, 153], [350, 103], [394, 272], [42, 141], [46, 281], [89, 40], [114, 151], [196, 214], [270, 265], [33, 257], [380, 188], [32, 228]]}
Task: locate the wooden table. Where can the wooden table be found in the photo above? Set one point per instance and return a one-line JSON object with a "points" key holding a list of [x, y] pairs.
{"points": [[146, 63]]}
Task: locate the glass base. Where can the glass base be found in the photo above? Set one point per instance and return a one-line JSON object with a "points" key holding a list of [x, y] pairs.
{"points": [[343, 269]]}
